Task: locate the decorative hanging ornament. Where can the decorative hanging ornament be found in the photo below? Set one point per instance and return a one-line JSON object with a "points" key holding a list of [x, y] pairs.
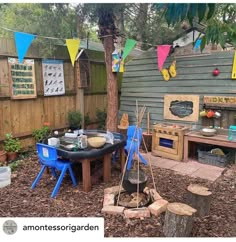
{"points": [[172, 69], [210, 113], [165, 74], [170, 72], [216, 72]]}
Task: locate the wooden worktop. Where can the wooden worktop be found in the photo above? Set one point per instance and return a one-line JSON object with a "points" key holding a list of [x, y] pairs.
{"points": [[220, 139]]}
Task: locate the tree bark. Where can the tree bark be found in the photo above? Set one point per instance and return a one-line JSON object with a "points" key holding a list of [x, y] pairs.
{"points": [[199, 197], [142, 24], [112, 86], [178, 220]]}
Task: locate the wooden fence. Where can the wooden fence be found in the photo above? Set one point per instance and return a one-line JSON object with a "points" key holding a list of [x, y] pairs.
{"points": [[21, 117]]}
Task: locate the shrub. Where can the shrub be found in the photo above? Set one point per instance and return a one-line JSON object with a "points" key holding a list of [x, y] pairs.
{"points": [[74, 119], [41, 134], [11, 144], [101, 118]]}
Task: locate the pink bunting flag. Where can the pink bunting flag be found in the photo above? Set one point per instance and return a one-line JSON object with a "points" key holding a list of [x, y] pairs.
{"points": [[162, 53]]}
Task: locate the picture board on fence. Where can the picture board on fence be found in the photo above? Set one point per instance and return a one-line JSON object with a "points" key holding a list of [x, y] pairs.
{"points": [[22, 79], [53, 77], [181, 107]]}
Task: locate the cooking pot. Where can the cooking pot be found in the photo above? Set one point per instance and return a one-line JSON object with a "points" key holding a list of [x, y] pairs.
{"points": [[131, 180]]}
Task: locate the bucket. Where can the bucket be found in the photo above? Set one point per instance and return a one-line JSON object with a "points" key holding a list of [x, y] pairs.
{"points": [[54, 141], [5, 176]]}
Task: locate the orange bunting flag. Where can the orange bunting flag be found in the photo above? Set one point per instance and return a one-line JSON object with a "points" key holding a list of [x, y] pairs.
{"points": [[73, 47]]}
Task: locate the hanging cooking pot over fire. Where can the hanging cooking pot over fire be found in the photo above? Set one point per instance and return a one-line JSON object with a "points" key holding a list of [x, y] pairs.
{"points": [[133, 182]]}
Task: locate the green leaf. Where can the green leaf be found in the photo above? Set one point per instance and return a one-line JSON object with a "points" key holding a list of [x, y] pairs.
{"points": [[222, 40], [192, 12], [211, 7], [203, 43], [201, 11], [160, 6], [184, 11], [170, 14]]}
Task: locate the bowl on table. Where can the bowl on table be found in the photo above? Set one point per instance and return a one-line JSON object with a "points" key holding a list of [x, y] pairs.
{"points": [[96, 142], [208, 132]]}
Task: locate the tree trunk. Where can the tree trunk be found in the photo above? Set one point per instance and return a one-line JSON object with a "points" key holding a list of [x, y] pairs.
{"points": [[112, 86], [142, 24], [178, 220]]}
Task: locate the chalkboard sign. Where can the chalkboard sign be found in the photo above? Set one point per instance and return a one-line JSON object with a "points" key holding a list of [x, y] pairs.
{"points": [[181, 107], [22, 79]]}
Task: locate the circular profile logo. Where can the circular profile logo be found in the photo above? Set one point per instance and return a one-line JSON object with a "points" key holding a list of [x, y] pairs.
{"points": [[9, 227]]}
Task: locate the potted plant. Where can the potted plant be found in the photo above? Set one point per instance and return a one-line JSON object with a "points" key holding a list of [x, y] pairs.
{"points": [[42, 134], [3, 156], [74, 119], [12, 146]]}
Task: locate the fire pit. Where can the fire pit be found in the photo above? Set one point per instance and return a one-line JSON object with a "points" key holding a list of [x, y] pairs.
{"points": [[133, 200], [149, 203], [134, 182]]}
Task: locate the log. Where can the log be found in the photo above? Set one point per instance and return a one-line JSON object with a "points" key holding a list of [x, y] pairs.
{"points": [[199, 197], [178, 220]]}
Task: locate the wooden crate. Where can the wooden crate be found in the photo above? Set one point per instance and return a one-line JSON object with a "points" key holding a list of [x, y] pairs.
{"points": [[172, 132]]}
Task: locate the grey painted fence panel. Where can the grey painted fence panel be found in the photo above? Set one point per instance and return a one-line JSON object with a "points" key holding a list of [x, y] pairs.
{"points": [[143, 82]]}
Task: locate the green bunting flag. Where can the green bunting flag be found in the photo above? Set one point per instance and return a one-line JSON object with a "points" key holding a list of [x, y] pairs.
{"points": [[129, 45]]}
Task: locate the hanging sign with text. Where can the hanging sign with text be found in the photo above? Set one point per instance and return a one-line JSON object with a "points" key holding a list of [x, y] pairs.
{"points": [[220, 100]]}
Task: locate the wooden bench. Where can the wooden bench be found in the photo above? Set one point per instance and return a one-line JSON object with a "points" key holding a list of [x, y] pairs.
{"points": [[220, 139]]}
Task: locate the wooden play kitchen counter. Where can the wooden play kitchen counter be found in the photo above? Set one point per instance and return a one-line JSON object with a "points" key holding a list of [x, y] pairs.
{"points": [[197, 137], [85, 156], [167, 140]]}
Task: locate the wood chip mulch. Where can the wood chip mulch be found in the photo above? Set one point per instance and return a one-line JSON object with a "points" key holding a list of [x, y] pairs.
{"points": [[18, 200]]}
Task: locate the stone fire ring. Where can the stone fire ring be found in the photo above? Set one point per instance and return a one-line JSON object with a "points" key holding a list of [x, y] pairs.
{"points": [[157, 206]]}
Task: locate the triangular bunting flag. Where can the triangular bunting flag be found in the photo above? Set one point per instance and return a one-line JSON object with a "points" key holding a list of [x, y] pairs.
{"points": [[129, 45], [197, 44], [73, 47], [23, 42], [162, 53]]}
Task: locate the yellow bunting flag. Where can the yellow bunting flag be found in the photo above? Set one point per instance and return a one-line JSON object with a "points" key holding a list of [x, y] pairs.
{"points": [[234, 67], [73, 47]]}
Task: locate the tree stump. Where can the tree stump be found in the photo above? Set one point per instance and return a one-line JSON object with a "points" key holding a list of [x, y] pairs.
{"points": [[199, 197], [178, 220]]}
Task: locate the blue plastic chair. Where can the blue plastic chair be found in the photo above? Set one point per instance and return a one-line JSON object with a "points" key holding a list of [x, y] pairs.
{"points": [[48, 158], [134, 138]]}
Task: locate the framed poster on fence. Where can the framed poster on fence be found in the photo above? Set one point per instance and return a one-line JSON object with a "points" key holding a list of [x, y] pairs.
{"points": [[22, 77], [53, 77]]}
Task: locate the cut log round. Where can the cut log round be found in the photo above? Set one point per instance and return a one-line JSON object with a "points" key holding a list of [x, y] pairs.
{"points": [[199, 197], [178, 220]]}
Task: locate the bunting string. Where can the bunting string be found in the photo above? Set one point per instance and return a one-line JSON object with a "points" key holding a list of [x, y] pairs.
{"points": [[101, 37], [23, 41]]}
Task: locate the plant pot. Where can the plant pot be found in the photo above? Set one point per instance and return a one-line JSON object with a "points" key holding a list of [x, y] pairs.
{"points": [[3, 156], [12, 156]]}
